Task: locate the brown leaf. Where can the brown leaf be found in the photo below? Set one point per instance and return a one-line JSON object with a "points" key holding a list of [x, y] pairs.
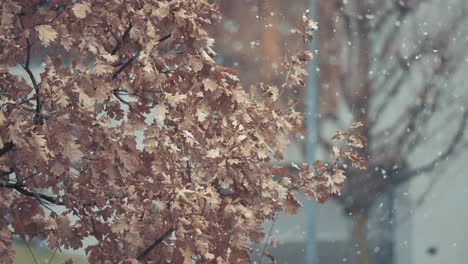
{"points": [[291, 206], [81, 10], [46, 34]]}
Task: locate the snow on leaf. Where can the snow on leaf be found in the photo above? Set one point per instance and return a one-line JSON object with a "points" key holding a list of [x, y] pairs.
{"points": [[81, 10], [46, 34]]}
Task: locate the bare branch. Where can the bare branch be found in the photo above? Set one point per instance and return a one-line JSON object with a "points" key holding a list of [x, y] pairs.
{"points": [[402, 10], [268, 237], [451, 149]]}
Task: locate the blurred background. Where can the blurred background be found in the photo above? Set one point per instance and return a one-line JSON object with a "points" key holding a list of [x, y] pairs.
{"points": [[398, 66]]}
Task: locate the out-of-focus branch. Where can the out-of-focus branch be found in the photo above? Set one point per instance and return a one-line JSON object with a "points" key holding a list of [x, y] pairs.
{"points": [[324, 142], [452, 148], [446, 68], [345, 74], [401, 9], [403, 63]]}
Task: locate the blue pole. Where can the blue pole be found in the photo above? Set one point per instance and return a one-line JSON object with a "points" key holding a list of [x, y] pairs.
{"points": [[310, 118]]}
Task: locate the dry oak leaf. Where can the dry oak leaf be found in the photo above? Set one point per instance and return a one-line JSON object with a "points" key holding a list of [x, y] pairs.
{"points": [[338, 176], [187, 254], [81, 10], [202, 113], [46, 34], [102, 68], [161, 111], [210, 85], [174, 100], [291, 206], [213, 153], [58, 169], [72, 152]]}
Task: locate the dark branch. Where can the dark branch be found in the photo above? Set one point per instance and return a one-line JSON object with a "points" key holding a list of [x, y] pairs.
{"points": [[451, 149], [124, 66], [118, 95], [59, 9], [121, 41], [132, 59], [37, 117], [401, 10], [6, 148], [165, 38], [39, 196], [158, 241], [6, 173]]}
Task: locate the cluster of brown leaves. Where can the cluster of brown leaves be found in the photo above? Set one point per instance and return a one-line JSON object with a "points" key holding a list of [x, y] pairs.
{"points": [[199, 184]]}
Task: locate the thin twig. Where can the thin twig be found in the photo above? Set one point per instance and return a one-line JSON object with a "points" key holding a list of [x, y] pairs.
{"points": [[268, 237], [53, 256], [30, 251], [25, 240]]}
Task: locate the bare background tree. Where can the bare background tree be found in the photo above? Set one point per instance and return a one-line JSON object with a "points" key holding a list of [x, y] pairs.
{"points": [[392, 66]]}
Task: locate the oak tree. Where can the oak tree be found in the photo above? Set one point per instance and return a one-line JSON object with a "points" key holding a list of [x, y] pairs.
{"points": [[142, 140]]}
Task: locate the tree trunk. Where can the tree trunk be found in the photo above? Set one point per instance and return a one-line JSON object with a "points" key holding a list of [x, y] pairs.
{"points": [[360, 245]]}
